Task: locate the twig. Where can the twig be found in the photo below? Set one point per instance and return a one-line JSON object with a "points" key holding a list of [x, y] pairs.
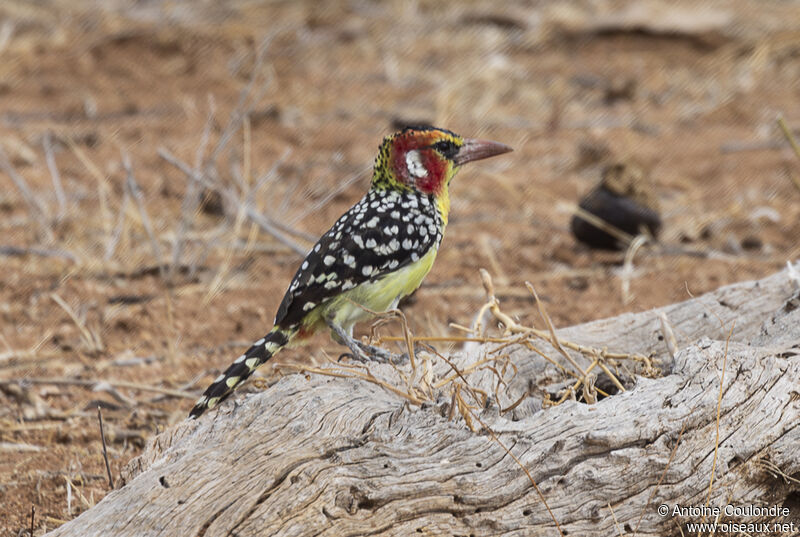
{"points": [[581, 380], [773, 469], [550, 328], [340, 187], [22, 185], [739, 146], [191, 195], [598, 222], [55, 176], [37, 209], [138, 196], [242, 107], [610, 375], [115, 383], [33, 518], [443, 339], [102, 184], [524, 469], [10, 446], [369, 377], [217, 283], [458, 372], [14, 251], [105, 449], [263, 222]]}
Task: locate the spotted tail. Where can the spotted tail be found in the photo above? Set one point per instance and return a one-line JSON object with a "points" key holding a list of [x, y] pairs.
{"points": [[261, 351]]}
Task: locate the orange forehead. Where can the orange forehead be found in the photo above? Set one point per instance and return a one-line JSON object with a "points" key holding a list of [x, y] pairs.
{"points": [[413, 138]]}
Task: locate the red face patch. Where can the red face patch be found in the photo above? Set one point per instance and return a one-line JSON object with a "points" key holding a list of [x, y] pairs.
{"points": [[416, 164]]}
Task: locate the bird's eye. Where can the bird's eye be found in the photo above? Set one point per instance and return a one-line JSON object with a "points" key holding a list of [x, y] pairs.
{"points": [[446, 148]]}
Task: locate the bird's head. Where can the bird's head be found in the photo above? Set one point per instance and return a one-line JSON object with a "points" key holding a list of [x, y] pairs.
{"points": [[425, 159]]}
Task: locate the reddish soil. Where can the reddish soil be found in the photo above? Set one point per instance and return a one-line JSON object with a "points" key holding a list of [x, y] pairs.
{"points": [[693, 96]]}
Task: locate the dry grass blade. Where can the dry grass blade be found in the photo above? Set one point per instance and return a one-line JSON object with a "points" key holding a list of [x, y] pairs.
{"points": [[217, 283], [116, 235], [616, 522], [627, 267], [55, 176], [795, 147], [102, 183], [669, 336], [191, 196], [105, 449], [353, 373], [91, 339], [246, 100], [86, 503], [459, 374], [508, 451], [522, 335], [263, 222], [625, 238], [407, 337], [37, 209], [341, 186], [468, 413], [41, 252], [550, 328], [115, 383], [663, 473], [610, 375], [138, 196], [773, 469], [443, 339], [789, 136], [793, 274], [719, 407]]}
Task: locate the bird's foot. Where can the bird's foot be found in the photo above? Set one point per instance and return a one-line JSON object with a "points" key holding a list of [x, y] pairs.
{"points": [[362, 352], [381, 355]]}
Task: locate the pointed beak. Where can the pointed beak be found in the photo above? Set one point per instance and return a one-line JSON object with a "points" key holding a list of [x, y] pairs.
{"points": [[479, 149]]}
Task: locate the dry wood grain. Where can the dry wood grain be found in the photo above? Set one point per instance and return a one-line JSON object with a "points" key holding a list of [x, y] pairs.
{"points": [[316, 455]]}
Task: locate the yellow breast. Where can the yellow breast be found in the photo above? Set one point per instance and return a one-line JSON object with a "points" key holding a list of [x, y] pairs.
{"points": [[379, 295]]}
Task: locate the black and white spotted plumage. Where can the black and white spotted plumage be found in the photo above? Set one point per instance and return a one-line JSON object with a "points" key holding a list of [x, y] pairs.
{"points": [[376, 253], [384, 232]]}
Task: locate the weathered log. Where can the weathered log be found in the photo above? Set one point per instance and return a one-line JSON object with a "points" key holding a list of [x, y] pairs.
{"points": [[317, 455]]}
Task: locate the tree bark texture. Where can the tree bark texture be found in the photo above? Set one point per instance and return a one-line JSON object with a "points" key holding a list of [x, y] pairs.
{"points": [[326, 456]]}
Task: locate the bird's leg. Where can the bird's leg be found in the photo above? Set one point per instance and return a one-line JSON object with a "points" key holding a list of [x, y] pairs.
{"points": [[361, 351]]}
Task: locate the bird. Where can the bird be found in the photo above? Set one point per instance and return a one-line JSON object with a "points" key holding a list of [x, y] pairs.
{"points": [[624, 199], [376, 253]]}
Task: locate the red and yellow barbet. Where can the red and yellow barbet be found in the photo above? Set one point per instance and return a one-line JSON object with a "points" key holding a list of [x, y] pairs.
{"points": [[375, 254]]}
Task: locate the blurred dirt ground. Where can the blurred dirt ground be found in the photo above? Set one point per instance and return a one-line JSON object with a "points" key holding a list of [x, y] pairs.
{"points": [[98, 311]]}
